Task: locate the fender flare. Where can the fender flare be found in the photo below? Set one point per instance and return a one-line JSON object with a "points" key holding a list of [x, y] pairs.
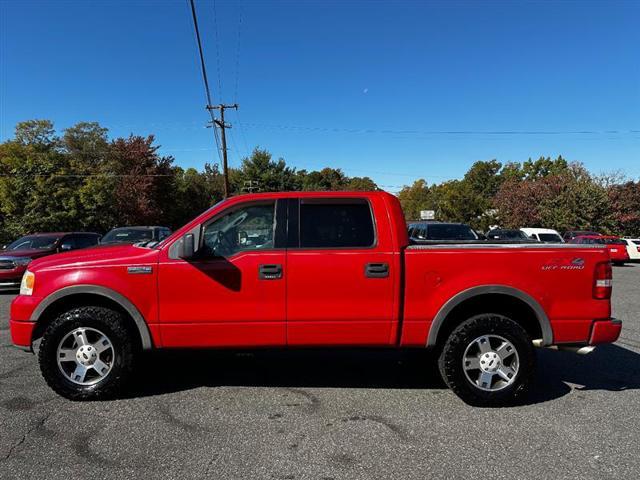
{"points": [[453, 302], [124, 302]]}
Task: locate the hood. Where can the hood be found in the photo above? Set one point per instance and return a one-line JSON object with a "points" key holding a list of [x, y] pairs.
{"points": [[31, 252], [96, 256]]}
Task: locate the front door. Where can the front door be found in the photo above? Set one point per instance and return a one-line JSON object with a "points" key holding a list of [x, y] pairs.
{"points": [[232, 293]]}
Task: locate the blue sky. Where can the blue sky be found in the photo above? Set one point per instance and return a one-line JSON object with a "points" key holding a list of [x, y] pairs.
{"points": [[366, 86]]}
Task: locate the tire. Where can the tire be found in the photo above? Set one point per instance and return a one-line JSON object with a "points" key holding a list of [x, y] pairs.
{"points": [[97, 340], [466, 348]]}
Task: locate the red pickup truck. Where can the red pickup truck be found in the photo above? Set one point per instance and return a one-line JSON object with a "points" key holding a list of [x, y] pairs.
{"points": [[313, 269]]}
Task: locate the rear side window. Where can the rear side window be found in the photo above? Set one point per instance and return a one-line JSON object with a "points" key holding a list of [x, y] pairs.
{"points": [[614, 241], [549, 237], [336, 224]]}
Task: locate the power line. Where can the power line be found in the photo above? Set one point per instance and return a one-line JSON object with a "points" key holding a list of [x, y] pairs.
{"points": [[439, 132], [242, 135], [235, 95], [203, 70], [215, 27], [215, 123]]}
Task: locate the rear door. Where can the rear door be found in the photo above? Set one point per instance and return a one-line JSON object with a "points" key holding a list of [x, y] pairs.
{"points": [[341, 275]]}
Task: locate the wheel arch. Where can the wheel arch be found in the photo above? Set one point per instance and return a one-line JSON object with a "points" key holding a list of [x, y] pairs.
{"points": [[510, 300], [82, 295]]}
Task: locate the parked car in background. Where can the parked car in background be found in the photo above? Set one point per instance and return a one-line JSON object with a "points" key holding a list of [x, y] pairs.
{"points": [[578, 233], [617, 247], [546, 235], [633, 248], [421, 231], [508, 234], [15, 257], [131, 235]]}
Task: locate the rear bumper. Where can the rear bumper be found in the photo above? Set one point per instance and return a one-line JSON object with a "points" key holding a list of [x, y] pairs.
{"points": [[605, 331]]}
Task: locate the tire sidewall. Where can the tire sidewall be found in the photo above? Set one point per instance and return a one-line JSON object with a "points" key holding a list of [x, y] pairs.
{"points": [[102, 319], [451, 359]]}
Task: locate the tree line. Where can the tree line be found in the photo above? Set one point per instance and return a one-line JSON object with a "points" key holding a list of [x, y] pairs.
{"points": [[547, 193], [80, 179]]}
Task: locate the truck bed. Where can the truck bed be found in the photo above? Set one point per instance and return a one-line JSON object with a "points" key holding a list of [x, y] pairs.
{"points": [[558, 276]]}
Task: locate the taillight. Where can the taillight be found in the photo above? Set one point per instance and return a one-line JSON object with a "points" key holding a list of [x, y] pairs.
{"points": [[602, 281]]}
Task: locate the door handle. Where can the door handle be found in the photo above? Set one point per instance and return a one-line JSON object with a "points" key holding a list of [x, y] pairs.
{"points": [[376, 270], [270, 272]]}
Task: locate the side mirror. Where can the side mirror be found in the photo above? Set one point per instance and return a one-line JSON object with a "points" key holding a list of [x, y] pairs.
{"points": [[188, 246], [65, 247]]}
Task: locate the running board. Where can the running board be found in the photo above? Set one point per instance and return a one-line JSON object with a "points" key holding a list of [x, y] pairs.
{"points": [[580, 350]]}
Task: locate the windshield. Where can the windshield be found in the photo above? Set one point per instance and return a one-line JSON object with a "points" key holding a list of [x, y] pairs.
{"points": [[34, 242], [128, 235], [549, 237], [445, 231], [507, 235]]}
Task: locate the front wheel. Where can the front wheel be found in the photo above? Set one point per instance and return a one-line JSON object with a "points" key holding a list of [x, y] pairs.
{"points": [[86, 353], [488, 360]]}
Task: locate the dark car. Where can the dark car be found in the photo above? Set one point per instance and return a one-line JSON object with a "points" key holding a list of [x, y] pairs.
{"points": [[131, 235], [571, 234], [422, 231], [508, 234], [15, 257]]}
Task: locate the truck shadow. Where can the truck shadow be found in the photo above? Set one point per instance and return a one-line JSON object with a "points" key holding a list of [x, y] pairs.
{"points": [[609, 367]]}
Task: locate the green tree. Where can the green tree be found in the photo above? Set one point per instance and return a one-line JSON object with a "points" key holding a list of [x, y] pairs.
{"points": [[361, 184], [415, 198], [39, 134], [267, 174], [35, 191], [327, 179]]}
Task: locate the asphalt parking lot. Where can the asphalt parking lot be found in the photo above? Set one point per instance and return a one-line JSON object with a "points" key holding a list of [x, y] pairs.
{"points": [[328, 415]]}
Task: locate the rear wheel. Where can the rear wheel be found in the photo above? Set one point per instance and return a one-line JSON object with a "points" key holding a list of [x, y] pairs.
{"points": [[488, 360], [86, 353]]}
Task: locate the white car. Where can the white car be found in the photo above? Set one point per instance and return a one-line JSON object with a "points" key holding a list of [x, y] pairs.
{"points": [[633, 248], [546, 235]]}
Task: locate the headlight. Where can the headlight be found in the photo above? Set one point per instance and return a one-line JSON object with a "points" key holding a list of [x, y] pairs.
{"points": [[22, 261], [27, 284]]}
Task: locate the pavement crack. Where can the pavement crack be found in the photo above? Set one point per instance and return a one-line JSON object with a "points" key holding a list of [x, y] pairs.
{"points": [[39, 424]]}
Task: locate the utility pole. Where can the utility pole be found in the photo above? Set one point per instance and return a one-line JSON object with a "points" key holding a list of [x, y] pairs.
{"points": [[223, 126]]}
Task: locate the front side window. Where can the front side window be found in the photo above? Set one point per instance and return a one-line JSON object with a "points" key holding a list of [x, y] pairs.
{"points": [[336, 224], [247, 228]]}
